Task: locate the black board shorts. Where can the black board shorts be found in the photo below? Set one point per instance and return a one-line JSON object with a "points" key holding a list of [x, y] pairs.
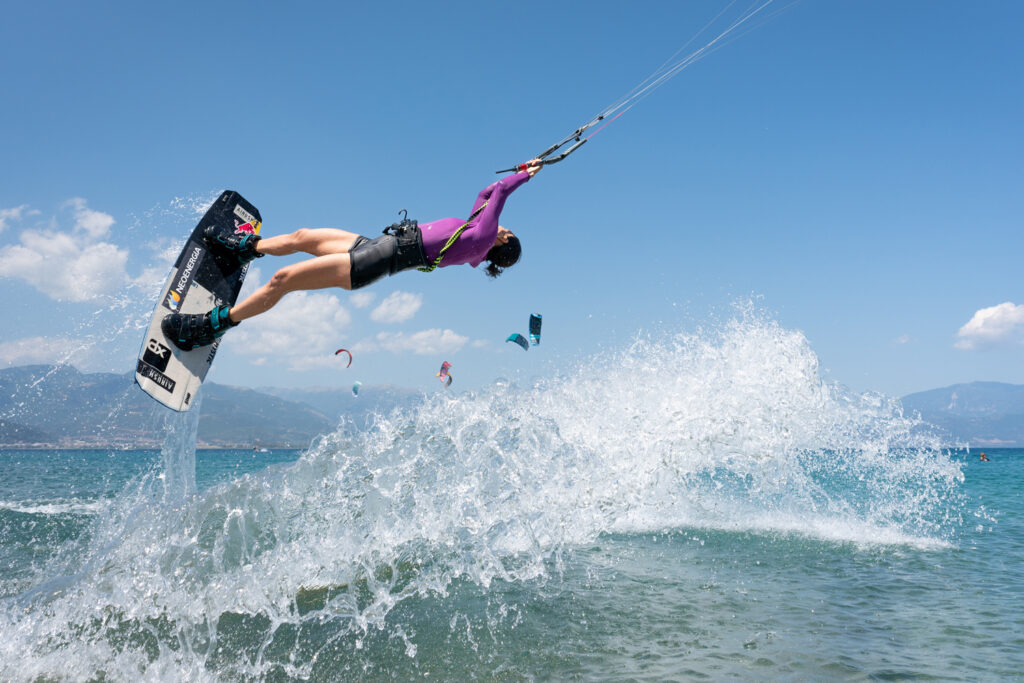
{"points": [[385, 255]]}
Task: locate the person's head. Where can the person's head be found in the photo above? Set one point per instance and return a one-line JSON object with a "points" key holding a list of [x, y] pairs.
{"points": [[505, 252]]}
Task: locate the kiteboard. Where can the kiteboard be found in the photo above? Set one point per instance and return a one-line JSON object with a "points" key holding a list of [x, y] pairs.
{"points": [[199, 280]]}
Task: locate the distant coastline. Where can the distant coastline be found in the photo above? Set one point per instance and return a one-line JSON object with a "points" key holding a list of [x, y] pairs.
{"points": [[57, 407]]}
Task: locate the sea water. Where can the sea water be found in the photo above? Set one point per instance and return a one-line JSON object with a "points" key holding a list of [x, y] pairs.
{"points": [[695, 506]]}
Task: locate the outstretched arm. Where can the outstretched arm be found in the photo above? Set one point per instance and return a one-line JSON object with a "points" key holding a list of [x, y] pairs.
{"points": [[480, 235], [507, 185]]}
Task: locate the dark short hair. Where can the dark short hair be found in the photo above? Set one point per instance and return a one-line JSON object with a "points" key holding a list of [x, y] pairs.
{"points": [[502, 256]]}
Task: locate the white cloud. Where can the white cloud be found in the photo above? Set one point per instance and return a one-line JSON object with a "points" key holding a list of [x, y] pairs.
{"points": [[67, 266], [362, 299], [903, 339], [63, 267], [42, 350], [397, 307], [151, 280], [252, 282], [993, 326], [14, 214], [422, 343], [303, 330], [95, 224], [152, 277]]}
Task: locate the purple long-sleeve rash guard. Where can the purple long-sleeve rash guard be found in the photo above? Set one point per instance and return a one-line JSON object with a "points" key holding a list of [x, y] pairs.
{"points": [[476, 240]]}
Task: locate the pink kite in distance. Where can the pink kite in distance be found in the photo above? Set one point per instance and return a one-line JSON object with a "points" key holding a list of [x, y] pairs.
{"points": [[446, 377], [349, 356]]}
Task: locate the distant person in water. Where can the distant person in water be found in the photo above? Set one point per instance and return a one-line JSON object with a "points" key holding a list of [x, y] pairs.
{"points": [[350, 261], [984, 458]]}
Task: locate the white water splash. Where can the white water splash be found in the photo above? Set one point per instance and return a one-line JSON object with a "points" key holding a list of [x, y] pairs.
{"points": [[70, 506], [730, 429]]}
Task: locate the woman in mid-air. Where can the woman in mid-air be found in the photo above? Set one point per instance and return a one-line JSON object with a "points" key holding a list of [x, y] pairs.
{"points": [[350, 261]]}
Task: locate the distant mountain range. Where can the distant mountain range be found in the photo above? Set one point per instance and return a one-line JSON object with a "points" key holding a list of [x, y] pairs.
{"points": [[56, 406], [980, 413]]}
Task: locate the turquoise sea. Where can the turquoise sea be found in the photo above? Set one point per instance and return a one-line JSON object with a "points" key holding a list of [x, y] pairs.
{"points": [[686, 509]]}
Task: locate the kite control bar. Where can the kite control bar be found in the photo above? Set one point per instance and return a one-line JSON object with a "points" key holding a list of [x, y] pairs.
{"points": [[576, 136]]}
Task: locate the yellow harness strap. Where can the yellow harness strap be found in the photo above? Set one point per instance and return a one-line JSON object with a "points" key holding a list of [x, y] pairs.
{"points": [[451, 240]]}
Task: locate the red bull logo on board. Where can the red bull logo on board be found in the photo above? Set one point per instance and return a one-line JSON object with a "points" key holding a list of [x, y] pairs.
{"points": [[252, 227]]}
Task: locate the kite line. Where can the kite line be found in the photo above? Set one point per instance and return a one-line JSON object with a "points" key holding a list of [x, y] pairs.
{"points": [[669, 69]]}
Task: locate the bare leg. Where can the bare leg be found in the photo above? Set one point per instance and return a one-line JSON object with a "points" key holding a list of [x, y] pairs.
{"points": [[315, 241], [331, 270]]}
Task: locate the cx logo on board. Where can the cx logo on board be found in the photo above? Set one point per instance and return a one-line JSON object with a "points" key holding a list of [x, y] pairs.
{"points": [[156, 355]]}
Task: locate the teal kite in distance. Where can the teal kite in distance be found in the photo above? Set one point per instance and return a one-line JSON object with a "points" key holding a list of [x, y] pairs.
{"points": [[535, 319], [517, 338]]}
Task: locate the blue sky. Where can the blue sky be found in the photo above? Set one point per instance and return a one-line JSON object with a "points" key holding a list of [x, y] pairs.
{"points": [[854, 167]]}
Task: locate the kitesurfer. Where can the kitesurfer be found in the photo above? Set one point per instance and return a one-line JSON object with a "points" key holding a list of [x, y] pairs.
{"points": [[350, 261]]}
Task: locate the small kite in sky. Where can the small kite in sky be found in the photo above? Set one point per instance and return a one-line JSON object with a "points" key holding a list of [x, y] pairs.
{"points": [[517, 338], [446, 377], [535, 319], [339, 351]]}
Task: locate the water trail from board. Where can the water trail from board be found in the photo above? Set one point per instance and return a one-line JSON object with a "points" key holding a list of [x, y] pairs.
{"points": [[156, 495], [730, 428]]}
